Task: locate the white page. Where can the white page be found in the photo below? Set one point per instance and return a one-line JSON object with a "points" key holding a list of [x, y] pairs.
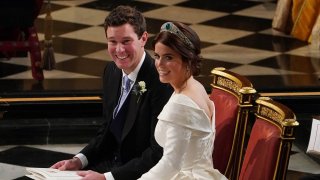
{"points": [[314, 141]]}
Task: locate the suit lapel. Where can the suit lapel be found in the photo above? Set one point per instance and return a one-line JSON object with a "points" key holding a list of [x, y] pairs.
{"points": [[114, 93], [134, 104], [131, 115]]}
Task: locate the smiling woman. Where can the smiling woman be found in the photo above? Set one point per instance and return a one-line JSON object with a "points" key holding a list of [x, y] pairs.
{"points": [[228, 39], [186, 127]]}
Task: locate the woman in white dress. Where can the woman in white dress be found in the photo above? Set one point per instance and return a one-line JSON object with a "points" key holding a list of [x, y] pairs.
{"points": [[186, 126]]}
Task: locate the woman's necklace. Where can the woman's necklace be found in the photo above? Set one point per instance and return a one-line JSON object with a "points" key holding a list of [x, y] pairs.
{"points": [[183, 86]]}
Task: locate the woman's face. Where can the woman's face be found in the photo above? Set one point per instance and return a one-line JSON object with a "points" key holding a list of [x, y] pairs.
{"points": [[124, 46], [169, 65]]}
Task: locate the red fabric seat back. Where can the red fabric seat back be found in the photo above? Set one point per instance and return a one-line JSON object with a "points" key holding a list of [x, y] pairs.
{"points": [[262, 151], [226, 105]]}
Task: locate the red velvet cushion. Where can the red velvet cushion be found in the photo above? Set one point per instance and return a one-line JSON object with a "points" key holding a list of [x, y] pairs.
{"points": [[226, 106], [262, 151]]}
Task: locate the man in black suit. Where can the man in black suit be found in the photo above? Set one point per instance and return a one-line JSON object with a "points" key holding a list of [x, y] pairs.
{"points": [[124, 147]]}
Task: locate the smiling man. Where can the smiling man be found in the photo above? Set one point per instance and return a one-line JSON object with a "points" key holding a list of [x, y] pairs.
{"points": [[124, 147]]}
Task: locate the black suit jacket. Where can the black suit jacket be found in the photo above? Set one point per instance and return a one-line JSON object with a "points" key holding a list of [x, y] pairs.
{"points": [[138, 149]]}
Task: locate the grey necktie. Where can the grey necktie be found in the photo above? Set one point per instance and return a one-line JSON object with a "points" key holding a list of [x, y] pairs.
{"points": [[126, 83]]}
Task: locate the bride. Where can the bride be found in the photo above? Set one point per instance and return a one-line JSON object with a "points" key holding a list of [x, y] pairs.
{"points": [[186, 126]]}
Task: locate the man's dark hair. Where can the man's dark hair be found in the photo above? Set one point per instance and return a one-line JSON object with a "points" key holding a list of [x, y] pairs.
{"points": [[126, 14]]}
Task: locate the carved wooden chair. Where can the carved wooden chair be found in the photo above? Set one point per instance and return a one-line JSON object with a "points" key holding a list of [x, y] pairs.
{"points": [[268, 151], [17, 31], [232, 95]]}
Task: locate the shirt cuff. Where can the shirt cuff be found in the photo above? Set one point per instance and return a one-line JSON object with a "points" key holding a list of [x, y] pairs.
{"points": [[108, 176], [83, 159]]}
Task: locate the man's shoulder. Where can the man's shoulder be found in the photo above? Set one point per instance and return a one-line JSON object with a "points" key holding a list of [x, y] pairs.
{"points": [[148, 69], [111, 67]]}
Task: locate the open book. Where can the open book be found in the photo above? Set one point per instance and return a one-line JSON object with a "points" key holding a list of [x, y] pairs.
{"points": [[51, 174], [314, 141]]}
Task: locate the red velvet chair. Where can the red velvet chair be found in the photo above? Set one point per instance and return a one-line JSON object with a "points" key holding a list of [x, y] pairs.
{"points": [[17, 31], [232, 95], [268, 151]]}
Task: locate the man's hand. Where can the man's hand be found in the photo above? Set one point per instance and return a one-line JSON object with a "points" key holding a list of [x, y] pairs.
{"points": [[91, 175], [70, 164]]}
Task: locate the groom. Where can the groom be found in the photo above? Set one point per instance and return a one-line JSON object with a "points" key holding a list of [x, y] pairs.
{"points": [[124, 147]]}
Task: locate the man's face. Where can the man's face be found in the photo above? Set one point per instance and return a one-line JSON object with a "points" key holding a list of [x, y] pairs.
{"points": [[124, 47]]}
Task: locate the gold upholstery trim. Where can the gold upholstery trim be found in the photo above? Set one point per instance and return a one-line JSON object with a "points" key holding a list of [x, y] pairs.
{"points": [[277, 114], [232, 83], [224, 82], [247, 90], [267, 112]]}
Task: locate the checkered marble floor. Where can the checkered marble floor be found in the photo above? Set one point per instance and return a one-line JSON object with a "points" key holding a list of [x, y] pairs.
{"points": [[14, 160], [235, 34]]}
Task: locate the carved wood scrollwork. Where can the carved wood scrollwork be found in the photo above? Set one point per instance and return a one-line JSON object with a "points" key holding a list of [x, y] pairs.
{"points": [[266, 112], [224, 82]]}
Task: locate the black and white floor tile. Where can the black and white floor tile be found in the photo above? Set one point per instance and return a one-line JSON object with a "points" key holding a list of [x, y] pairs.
{"points": [[235, 34], [14, 160]]}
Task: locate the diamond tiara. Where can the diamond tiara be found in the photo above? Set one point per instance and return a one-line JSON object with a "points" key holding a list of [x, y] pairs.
{"points": [[170, 27]]}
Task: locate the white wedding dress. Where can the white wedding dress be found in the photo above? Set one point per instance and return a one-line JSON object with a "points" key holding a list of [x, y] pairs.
{"points": [[186, 135]]}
